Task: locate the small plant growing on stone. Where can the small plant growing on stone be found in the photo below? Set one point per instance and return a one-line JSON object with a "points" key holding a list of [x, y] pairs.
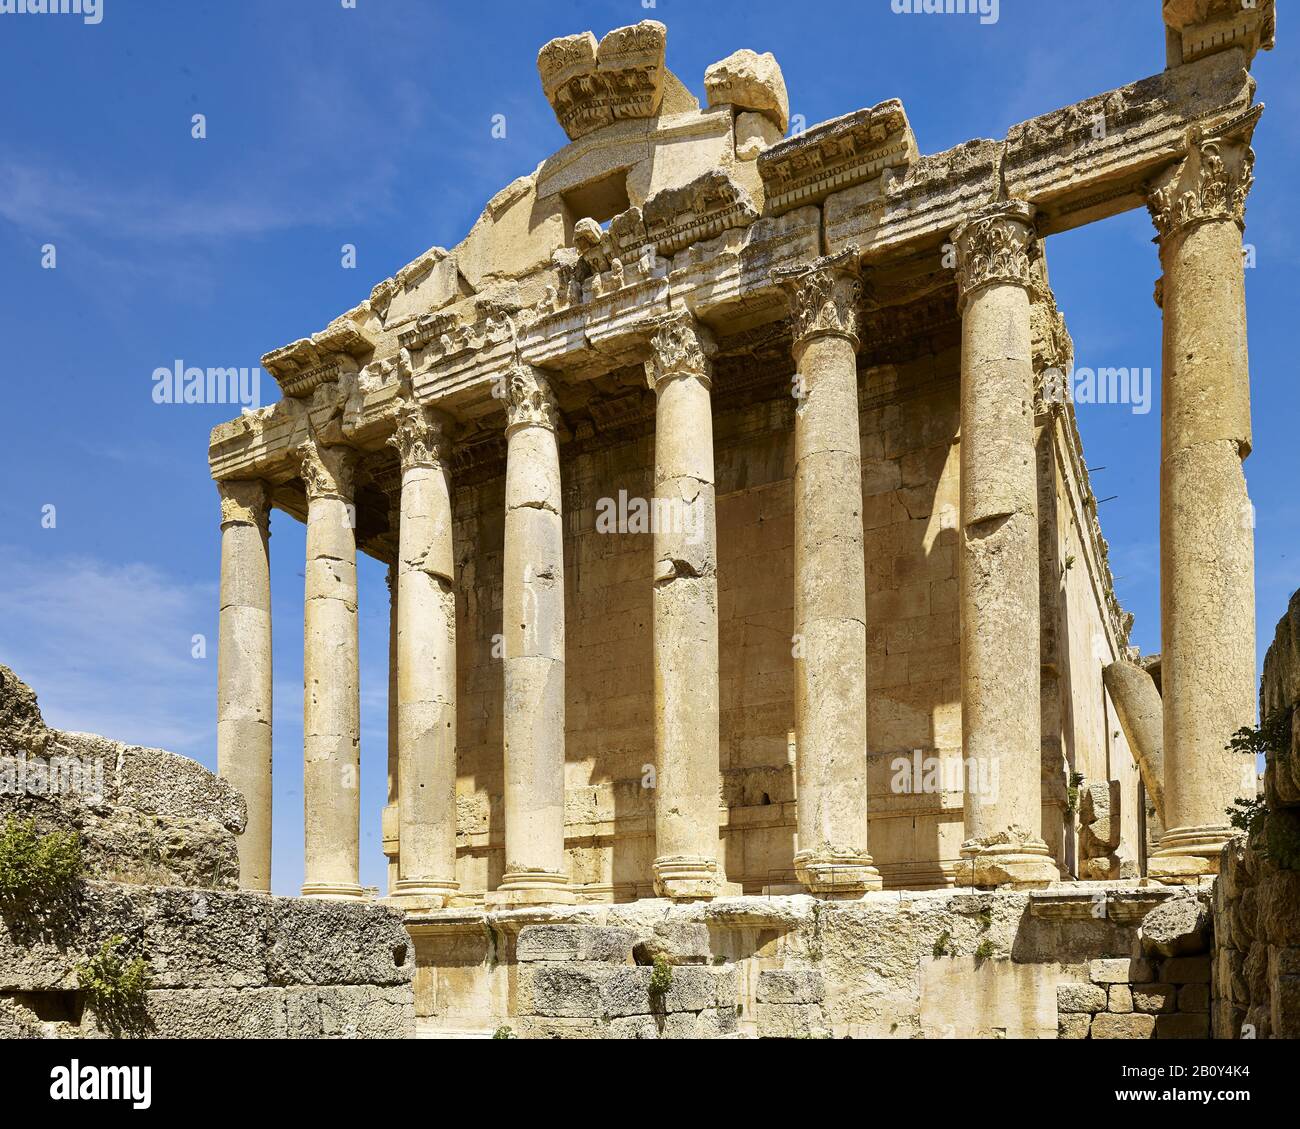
{"points": [[37, 867], [1069, 562], [985, 918], [661, 979], [943, 944], [986, 949], [1072, 792], [504, 1033], [115, 987]]}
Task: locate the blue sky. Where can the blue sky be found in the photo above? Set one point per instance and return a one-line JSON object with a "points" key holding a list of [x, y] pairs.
{"points": [[372, 126]]}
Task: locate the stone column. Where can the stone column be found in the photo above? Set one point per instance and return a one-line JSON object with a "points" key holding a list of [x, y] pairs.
{"points": [[685, 597], [331, 691], [426, 664], [1000, 658], [830, 600], [388, 818], [244, 669], [532, 615], [1207, 599]]}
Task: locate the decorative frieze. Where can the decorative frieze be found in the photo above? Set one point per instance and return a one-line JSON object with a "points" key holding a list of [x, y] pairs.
{"points": [[677, 217], [823, 297], [302, 367], [1211, 183], [590, 85], [837, 155]]}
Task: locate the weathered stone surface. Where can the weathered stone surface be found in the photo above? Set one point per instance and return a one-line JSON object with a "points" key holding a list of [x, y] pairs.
{"points": [[1152, 999], [1120, 999], [1182, 1026], [1178, 927], [574, 942], [790, 986], [1185, 970], [1073, 1026], [792, 1021], [749, 81], [1080, 998], [1108, 1026], [676, 942], [21, 726], [1121, 971]]}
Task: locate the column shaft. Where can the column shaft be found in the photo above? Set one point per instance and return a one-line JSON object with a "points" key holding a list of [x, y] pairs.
{"points": [[685, 601], [830, 610], [1207, 597], [426, 665], [244, 672], [331, 691], [533, 666], [1000, 614]]}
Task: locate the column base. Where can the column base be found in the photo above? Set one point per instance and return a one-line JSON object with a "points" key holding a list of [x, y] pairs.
{"points": [[828, 873], [1006, 860], [423, 893], [334, 891], [1188, 854], [688, 878], [532, 888]]}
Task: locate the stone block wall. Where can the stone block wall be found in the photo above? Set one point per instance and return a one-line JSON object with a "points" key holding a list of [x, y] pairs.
{"points": [[221, 964], [580, 981], [1142, 998]]}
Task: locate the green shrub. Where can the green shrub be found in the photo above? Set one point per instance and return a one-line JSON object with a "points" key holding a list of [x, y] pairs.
{"points": [[504, 1033], [115, 987], [37, 867], [943, 944]]}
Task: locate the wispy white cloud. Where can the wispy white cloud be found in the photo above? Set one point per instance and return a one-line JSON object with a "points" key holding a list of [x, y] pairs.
{"points": [[107, 648]]}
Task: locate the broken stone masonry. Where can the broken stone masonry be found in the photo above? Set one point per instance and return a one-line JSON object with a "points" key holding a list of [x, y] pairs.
{"points": [[647, 785], [158, 834]]}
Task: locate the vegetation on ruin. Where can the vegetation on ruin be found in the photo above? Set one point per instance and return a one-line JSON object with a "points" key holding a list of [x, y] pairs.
{"points": [[661, 979], [115, 987], [35, 867], [986, 949], [943, 946], [1272, 738], [1072, 792], [504, 1033]]}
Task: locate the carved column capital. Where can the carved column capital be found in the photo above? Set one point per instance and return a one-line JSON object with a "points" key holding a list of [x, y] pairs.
{"points": [[823, 297], [245, 501], [327, 471], [528, 399], [421, 437], [997, 245], [679, 346], [1211, 183]]}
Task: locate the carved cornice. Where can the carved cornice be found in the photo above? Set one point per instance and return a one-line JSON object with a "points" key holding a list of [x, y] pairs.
{"points": [[1211, 183], [679, 346], [1205, 27], [528, 399], [327, 471], [823, 297], [591, 85], [302, 367], [996, 246], [675, 218], [421, 437], [245, 502], [838, 154]]}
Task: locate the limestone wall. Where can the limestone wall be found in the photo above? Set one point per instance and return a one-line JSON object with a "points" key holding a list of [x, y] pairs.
{"points": [[222, 964], [937, 964]]}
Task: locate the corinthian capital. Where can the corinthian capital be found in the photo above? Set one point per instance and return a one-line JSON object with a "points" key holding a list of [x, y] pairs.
{"points": [[244, 502], [679, 346], [327, 471], [823, 297], [421, 437], [996, 245], [1210, 183], [528, 399]]}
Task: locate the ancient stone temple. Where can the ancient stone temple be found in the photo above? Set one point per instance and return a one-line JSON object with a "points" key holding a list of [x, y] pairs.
{"points": [[744, 563]]}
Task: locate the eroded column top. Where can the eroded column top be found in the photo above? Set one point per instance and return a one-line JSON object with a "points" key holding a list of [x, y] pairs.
{"points": [[996, 246], [823, 298], [679, 347]]}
